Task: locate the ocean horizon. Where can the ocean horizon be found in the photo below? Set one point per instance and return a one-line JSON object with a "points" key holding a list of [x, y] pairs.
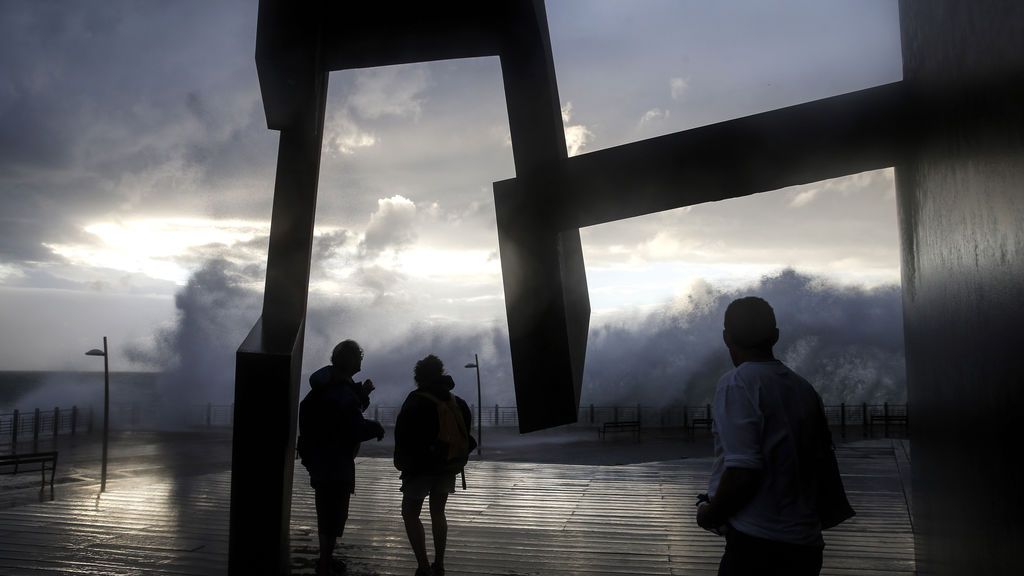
{"points": [[47, 389]]}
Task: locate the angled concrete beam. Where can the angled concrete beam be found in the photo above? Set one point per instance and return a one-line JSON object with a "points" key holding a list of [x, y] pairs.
{"points": [[540, 213], [810, 142]]}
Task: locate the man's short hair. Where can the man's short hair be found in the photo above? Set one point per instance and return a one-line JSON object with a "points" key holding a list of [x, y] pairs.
{"points": [[346, 350], [427, 370], [750, 323]]}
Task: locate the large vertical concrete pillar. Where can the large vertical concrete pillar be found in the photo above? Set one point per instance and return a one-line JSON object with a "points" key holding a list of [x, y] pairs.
{"points": [[541, 256], [961, 217], [269, 361]]}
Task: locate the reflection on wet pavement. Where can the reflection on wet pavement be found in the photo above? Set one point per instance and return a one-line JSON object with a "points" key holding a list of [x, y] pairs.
{"points": [[516, 518]]}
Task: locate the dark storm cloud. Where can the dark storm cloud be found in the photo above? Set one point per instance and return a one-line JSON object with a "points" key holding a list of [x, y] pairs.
{"points": [[327, 245], [730, 59], [378, 281], [118, 108], [32, 135], [438, 134], [231, 150], [122, 109], [21, 240]]}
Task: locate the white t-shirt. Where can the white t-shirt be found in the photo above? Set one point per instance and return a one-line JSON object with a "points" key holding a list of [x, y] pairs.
{"points": [[762, 412]]}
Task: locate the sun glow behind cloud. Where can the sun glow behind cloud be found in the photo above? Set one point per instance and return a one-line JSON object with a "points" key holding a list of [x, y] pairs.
{"points": [[471, 266], [160, 248]]}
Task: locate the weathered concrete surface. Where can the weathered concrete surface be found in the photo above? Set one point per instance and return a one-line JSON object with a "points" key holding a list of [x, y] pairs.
{"points": [[961, 217]]}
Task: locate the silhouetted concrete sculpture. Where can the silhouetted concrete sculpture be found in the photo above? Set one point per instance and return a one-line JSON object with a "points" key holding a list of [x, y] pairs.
{"points": [[953, 128], [298, 44]]}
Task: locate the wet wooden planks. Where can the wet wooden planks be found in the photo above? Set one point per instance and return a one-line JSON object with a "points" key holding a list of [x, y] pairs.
{"points": [[515, 519]]}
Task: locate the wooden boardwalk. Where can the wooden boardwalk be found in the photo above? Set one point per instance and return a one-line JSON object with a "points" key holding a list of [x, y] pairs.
{"points": [[515, 519]]}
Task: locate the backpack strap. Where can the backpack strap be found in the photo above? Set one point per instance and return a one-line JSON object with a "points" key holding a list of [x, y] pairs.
{"points": [[452, 404]]}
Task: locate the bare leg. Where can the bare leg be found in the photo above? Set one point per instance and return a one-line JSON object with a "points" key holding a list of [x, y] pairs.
{"points": [[326, 552], [439, 525], [414, 529], [331, 513]]}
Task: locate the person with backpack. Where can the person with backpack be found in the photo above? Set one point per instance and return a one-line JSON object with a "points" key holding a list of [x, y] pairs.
{"points": [[432, 445], [331, 427]]}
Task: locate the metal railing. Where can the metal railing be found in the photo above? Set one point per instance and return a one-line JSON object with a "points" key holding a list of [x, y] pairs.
{"points": [[18, 427], [867, 417], [31, 426], [211, 416]]}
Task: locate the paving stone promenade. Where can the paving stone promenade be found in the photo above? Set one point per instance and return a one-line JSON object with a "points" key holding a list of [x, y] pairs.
{"points": [[517, 518]]}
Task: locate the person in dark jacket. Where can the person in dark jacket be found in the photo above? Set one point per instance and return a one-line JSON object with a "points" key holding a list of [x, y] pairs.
{"points": [[331, 427], [432, 444]]}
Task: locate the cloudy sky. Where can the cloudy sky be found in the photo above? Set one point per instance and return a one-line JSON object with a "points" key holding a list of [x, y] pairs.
{"points": [[136, 169]]}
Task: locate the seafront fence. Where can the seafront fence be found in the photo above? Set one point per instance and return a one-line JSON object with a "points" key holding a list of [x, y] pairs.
{"points": [[865, 418], [30, 426]]}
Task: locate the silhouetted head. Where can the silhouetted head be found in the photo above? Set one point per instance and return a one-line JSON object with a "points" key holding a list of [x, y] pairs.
{"points": [[750, 331], [347, 357], [428, 370]]}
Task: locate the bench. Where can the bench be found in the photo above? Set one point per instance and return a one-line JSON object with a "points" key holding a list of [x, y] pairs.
{"points": [[41, 458], [620, 426], [702, 423], [888, 420]]}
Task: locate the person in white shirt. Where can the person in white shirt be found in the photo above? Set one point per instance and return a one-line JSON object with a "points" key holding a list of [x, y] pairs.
{"points": [[767, 420]]}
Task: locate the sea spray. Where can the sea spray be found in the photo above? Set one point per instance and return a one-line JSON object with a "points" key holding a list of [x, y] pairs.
{"points": [[847, 340]]}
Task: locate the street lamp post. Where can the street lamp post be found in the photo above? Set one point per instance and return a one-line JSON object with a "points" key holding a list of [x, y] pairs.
{"points": [[106, 409], [479, 403]]}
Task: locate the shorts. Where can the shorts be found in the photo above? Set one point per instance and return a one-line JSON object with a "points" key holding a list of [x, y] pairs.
{"points": [[420, 486]]}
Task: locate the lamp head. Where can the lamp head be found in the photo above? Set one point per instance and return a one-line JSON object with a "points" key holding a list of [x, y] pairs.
{"points": [[95, 352]]}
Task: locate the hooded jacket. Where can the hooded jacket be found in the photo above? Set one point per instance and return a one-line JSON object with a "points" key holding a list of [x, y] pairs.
{"points": [[417, 448], [331, 427]]}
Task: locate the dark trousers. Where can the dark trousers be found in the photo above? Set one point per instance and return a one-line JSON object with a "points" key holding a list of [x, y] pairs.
{"points": [[331, 511], [747, 556]]}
